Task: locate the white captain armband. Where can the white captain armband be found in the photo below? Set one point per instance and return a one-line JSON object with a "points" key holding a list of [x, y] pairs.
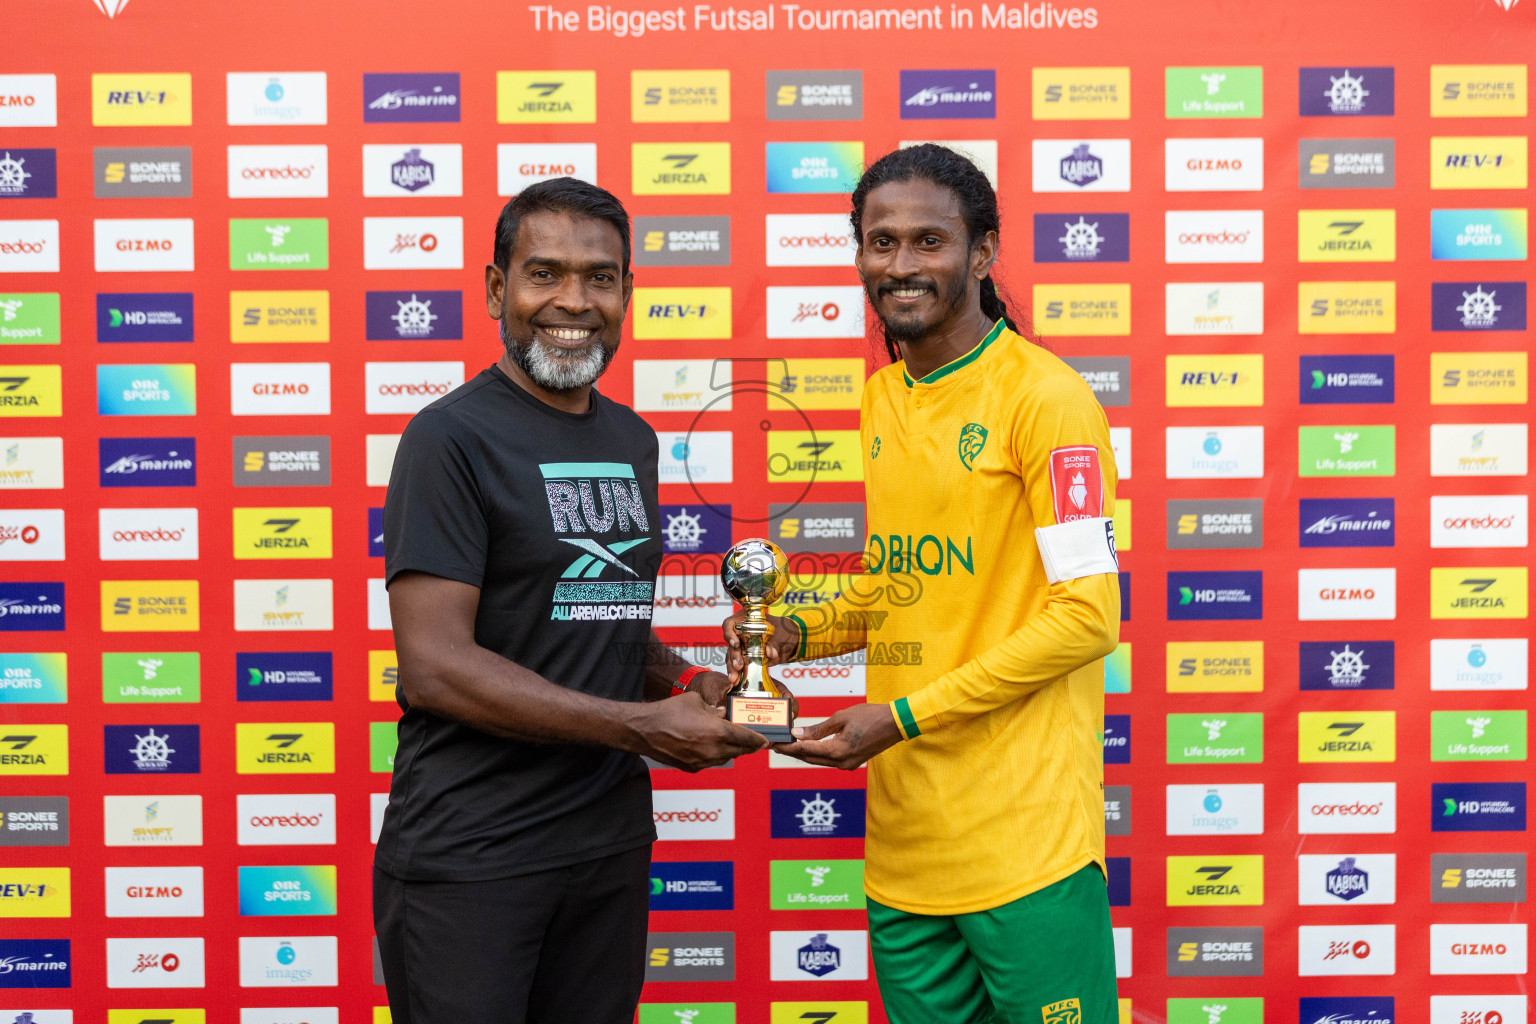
{"points": [[1084, 547]]}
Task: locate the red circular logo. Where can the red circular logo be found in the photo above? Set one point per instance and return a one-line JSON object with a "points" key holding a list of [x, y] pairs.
{"points": [[1361, 950], [29, 535], [428, 243], [170, 961]]}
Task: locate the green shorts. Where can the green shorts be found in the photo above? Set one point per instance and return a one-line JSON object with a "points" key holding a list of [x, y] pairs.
{"points": [[1046, 958]]}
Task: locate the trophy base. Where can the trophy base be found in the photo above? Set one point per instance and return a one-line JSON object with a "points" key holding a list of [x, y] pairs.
{"points": [[767, 716]]}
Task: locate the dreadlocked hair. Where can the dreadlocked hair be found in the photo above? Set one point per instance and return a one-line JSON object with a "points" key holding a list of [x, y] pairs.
{"points": [[978, 206]]}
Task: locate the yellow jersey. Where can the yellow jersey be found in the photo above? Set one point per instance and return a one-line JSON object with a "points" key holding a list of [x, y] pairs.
{"points": [[994, 675]]}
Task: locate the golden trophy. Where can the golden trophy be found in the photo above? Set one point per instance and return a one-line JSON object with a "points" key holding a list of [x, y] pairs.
{"points": [[756, 573]]}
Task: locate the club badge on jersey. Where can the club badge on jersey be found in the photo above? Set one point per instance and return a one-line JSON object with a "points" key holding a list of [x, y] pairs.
{"points": [[1082, 540]]}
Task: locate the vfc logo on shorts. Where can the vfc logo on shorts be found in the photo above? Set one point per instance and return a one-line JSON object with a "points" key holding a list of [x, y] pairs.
{"points": [[1063, 1011]]}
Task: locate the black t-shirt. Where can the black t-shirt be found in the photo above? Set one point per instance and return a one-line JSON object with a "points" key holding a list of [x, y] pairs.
{"points": [[554, 517]]}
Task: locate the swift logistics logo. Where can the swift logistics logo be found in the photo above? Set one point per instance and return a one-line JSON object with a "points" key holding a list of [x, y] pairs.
{"points": [[31, 463], [144, 316], [1082, 237], [948, 95], [1080, 94], [1348, 380], [397, 98], [1214, 308], [545, 97], [814, 96]]}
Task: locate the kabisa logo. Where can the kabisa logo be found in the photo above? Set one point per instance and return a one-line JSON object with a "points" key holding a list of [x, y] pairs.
{"points": [[1347, 92], [1082, 237], [947, 95], [1348, 522], [153, 749], [1348, 380], [818, 957], [1351, 665], [691, 529], [148, 461], [1478, 306], [814, 167], [411, 172], [35, 963], [546, 97], [817, 814], [1081, 167], [283, 676], [28, 607], [1350, 1010], [683, 242], [1347, 882], [28, 174], [397, 98], [414, 316], [158, 316], [1477, 806], [603, 500]]}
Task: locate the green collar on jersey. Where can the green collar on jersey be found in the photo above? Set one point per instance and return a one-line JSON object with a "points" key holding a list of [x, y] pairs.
{"points": [[959, 362]]}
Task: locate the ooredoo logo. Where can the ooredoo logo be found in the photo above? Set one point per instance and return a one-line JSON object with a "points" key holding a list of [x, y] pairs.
{"points": [[285, 819], [1214, 236], [687, 814], [408, 387], [129, 534], [29, 246], [1346, 808], [287, 172], [809, 240], [1481, 521]]}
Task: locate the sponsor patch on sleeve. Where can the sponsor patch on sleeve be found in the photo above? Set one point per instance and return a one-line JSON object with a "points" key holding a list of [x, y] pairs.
{"points": [[1077, 484]]}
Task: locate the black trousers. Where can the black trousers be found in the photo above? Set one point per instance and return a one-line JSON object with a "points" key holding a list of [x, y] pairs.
{"points": [[557, 946]]}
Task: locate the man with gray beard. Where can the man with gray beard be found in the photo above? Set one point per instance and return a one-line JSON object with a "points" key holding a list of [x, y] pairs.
{"points": [[521, 547]]}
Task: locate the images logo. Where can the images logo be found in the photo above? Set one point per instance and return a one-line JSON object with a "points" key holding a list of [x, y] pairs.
{"points": [[815, 96], [1215, 811], [1207, 453], [131, 317], [1082, 237], [153, 750], [545, 97], [141, 100], [1080, 94], [415, 316], [947, 95], [1213, 92], [817, 814], [1345, 92], [275, 98], [148, 461], [1348, 380], [1479, 234], [125, 172], [401, 98]]}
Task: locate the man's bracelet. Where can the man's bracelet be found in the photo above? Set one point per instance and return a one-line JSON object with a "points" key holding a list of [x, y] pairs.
{"points": [[680, 684]]}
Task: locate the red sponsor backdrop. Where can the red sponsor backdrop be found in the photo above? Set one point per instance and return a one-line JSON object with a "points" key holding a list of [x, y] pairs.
{"points": [[73, 40]]}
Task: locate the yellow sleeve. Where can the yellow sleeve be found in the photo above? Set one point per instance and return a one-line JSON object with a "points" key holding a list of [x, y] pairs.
{"points": [[1080, 620], [834, 627]]}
